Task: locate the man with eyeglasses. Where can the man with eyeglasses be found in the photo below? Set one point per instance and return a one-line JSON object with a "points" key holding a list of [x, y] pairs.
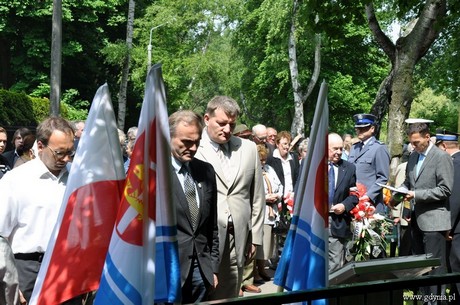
{"points": [[259, 135], [31, 198], [371, 158]]}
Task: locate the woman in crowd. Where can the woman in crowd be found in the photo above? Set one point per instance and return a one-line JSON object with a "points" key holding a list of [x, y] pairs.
{"points": [[273, 195], [285, 163]]}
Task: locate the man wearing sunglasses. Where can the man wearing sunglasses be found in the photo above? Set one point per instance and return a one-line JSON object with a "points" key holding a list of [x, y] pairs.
{"points": [[31, 197]]}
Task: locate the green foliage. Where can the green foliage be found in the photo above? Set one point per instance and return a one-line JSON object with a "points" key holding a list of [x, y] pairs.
{"points": [[41, 108], [233, 47], [438, 108], [16, 109]]}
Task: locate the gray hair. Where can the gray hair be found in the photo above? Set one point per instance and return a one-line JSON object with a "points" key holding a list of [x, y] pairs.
{"points": [[187, 116], [227, 104]]}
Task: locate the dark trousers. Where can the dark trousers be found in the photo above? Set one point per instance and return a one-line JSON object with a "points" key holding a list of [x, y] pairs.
{"points": [[430, 242], [28, 272], [195, 288], [454, 258]]}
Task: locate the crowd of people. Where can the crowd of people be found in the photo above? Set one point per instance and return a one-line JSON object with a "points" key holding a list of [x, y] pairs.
{"points": [[233, 189]]}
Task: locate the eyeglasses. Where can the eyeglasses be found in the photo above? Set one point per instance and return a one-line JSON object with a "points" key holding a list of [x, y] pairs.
{"points": [[62, 154]]}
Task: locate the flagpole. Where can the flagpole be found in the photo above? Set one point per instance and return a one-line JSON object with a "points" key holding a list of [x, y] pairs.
{"points": [[322, 97]]}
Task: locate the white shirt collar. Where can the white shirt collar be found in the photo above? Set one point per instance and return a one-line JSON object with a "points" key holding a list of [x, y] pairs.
{"points": [[276, 154]]}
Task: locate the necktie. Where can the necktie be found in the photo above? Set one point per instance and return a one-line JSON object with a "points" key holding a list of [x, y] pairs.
{"points": [[421, 157], [190, 194], [225, 161], [331, 179]]}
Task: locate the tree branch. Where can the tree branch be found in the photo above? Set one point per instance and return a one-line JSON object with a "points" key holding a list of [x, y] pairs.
{"points": [[382, 40]]}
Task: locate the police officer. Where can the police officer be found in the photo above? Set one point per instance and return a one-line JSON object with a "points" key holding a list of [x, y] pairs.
{"points": [[371, 158]]}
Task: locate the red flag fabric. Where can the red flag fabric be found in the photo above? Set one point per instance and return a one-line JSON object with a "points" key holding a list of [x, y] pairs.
{"points": [[76, 252], [142, 265]]}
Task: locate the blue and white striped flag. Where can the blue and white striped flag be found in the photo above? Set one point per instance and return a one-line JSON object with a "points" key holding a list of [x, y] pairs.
{"points": [[142, 265], [303, 264]]}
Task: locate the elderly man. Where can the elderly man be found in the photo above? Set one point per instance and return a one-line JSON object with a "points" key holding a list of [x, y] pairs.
{"points": [[240, 192], [260, 136], [32, 196], [341, 177], [371, 158]]}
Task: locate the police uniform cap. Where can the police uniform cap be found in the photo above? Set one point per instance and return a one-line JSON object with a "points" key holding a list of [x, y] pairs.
{"points": [[415, 120], [364, 120], [444, 135]]}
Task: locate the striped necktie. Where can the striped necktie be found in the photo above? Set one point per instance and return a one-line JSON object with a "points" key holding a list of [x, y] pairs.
{"points": [[190, 194]]}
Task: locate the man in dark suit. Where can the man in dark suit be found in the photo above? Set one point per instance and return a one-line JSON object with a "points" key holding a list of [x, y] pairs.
{"points": [[429, 179], [342, 177], [371, 158], [448, 141], [18, 136], [195, 199]]}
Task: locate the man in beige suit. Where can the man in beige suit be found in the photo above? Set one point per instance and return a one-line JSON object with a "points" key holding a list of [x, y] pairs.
{"points": [[240, 192]]}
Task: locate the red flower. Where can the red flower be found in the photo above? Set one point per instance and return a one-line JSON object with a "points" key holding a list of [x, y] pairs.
{"points": [[364, 208]]}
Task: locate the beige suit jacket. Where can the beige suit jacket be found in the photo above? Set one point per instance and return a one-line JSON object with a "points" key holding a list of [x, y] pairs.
{"points": [[243, 197]]}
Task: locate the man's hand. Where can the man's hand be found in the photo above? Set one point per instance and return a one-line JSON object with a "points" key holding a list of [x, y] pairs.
{"points": [[22, 300], [338, 209], [410, 195], [216, 281], [251, 252]]}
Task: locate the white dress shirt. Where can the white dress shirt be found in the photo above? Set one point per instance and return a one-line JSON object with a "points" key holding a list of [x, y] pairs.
{"points": [[30, 200]]}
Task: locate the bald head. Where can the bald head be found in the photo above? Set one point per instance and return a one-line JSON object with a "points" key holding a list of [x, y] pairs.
{"points": [[259, 133], [335, 147]]}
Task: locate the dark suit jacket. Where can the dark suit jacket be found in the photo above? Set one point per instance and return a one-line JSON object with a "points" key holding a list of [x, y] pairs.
{"points": [[204, 241], [454, 200], [10, 156], [278, 167], [346, 179]]}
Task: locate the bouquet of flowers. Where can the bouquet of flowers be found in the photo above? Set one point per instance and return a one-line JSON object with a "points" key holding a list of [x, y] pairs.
{"points": [[368, 228], [286, 209]]}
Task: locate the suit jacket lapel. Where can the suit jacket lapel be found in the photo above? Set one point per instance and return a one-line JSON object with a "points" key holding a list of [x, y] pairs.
{"points": [[426, 161], [209, 155], [235, 159], [181, 199], [341, 173]]}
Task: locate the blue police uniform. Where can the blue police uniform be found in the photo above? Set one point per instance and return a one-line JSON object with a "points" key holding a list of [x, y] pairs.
{"points": [[372, 161]]}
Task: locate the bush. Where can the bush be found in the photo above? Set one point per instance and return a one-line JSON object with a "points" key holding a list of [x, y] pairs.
{"points": [[16, 109], [19, 109]]}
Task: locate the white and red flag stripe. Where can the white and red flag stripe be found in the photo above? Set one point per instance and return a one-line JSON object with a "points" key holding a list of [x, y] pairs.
{"points": [[75, 255], [303, 264], [142, 265]]}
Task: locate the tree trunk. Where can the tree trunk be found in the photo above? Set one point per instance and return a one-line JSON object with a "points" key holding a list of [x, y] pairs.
{"points": [[298, 123], [403, 56], [126, 65], [56, 58], [5, 58]]}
